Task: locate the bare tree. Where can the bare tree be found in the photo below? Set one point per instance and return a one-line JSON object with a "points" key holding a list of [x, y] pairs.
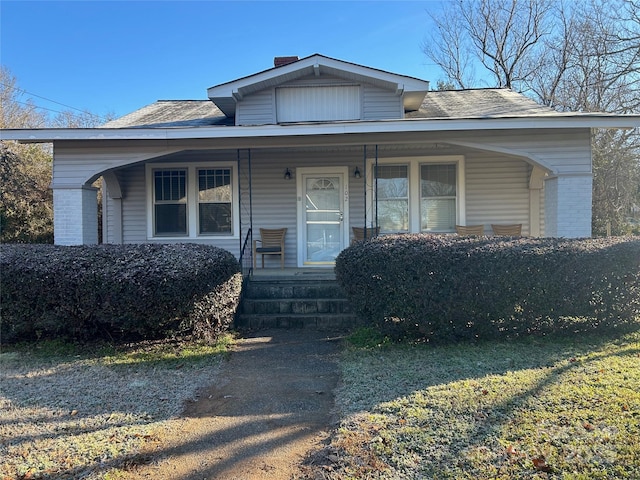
{"points": [[574, 56], [26, 201], [504, 36]]}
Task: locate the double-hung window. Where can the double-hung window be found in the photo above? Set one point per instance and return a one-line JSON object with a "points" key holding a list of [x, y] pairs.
{"points": [[195, 201], [437, 198], [393, 198], [418, 194], [170, 202], [214, 201]]}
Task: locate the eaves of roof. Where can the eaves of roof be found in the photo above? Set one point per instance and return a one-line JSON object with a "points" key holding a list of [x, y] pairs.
{"points": [[409, 125]]}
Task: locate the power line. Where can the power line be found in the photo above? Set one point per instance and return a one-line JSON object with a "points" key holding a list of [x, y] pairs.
{"points": [[20, 90]]}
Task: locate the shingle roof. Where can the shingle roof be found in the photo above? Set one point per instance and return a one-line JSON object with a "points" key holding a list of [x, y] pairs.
{"points": [[173, 113], [482, 103]]}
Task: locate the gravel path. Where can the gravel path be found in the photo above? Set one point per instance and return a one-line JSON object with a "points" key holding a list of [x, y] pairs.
{"points": [[271, 404]]}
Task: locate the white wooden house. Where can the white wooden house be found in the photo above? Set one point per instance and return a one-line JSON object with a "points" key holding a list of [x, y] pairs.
{"points": [[319, 145]]}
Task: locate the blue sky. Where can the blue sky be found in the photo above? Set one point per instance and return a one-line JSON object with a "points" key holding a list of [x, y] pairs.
{"points": [[117, 56]]}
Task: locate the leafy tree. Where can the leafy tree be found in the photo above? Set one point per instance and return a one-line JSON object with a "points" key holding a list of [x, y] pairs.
{"points": [[582, 56], [26, 210]]}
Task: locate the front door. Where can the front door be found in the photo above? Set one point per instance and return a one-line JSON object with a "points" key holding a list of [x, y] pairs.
{"points": [[322, 211]]}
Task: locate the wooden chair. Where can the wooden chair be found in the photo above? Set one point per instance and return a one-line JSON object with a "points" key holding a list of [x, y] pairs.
{"points": [[272, 243], [358, 233], [470, 230], [514, 230]]}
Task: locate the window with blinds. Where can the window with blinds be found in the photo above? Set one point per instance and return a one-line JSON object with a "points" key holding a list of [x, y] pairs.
{"points": [[437, 198]]}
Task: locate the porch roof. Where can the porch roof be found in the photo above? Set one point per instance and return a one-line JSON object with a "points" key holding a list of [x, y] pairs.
{"points": [[345, 132]]}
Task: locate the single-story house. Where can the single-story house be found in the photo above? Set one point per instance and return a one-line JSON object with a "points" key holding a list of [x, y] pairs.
{"points": [[318, 146]]}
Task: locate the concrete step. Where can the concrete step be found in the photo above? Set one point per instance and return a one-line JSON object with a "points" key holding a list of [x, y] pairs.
{"points": [[287, 302], [295, 305], [277, 289], [309, 320]]}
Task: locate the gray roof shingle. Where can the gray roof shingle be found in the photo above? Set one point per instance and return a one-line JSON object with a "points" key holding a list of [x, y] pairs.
{"points": [[480, 103], [173, 113], [453, 104]]}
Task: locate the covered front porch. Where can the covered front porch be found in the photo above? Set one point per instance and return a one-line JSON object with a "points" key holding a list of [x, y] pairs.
{"points": [[319, 187]]}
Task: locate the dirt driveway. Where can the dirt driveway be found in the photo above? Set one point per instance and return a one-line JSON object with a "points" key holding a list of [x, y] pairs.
{"points": [[273, 404]]}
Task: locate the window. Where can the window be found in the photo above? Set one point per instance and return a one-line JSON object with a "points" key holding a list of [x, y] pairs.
{"points": [[170, 202], [437, 198], [318, 103], [393, 198], [214, 201], [417, 194], [192, 201]]}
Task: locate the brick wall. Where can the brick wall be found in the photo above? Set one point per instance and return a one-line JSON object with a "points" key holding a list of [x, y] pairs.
{"points": [[568, 206], [75, 216]]}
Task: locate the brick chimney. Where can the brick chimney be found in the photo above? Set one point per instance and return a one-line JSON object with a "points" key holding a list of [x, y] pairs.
{"points": [[280, 61]]}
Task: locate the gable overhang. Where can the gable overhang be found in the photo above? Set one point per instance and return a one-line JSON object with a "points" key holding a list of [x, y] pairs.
{"points": [[226, 95]]}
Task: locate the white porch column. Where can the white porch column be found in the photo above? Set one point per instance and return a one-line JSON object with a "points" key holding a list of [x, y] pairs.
{"points": [[75, 215], [567, 204]]}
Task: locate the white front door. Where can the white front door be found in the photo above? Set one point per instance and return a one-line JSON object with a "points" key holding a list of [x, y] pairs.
{"points": [[322, 214]]}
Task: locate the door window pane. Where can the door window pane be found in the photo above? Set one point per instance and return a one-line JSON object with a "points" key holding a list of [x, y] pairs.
{"points": [[323, 218]]}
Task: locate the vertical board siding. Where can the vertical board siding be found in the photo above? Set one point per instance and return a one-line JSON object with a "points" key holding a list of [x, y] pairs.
{"points": [[320, 103]]}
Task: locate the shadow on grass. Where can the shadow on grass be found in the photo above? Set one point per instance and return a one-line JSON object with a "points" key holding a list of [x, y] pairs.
{"points": [[274, 392], [402, 371]]}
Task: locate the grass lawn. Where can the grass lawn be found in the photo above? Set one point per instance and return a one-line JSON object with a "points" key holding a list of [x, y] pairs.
{"points": [[536, 408], [70, 413]]}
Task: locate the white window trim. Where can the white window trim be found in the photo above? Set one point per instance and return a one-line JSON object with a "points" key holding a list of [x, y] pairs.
{"points": [[192, 200], [414, 164]]}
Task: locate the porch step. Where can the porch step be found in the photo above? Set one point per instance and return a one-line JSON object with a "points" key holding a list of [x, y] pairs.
{"points": [[294, 301]]}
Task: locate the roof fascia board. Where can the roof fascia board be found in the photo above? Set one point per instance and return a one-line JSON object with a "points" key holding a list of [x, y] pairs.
{"points": [[311, 65], [337, 128]]}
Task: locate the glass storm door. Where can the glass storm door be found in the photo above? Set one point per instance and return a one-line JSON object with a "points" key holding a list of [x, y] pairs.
{"points": [[323, 207]]}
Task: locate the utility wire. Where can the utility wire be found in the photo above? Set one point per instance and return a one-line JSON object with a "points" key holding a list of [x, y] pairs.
{"points": [[39, 107], [20, 90]]}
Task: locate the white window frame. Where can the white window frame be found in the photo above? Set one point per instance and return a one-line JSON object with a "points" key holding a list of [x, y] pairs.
{"points": [[192, 200], [414, 164]]}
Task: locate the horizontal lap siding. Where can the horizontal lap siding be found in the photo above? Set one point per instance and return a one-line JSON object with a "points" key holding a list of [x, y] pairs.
{"points": [[567, 151], [275, 199], [134, 216], [256, 109], [380, 104], [497, 191], [377, 103], [108, 218]]}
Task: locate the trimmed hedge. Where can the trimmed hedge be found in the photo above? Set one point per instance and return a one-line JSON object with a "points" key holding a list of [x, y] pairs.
{"points": [[119, 291], [448, 287]]}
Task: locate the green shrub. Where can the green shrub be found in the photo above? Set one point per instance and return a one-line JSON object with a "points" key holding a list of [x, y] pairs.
{"points": [[116, 290], [447, 287]]}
